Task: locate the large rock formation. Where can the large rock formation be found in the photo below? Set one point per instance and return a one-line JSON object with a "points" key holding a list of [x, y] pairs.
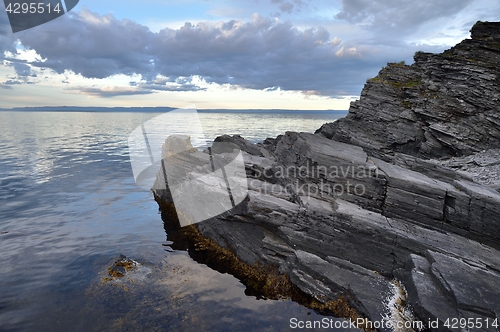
{"points": [[443, 105], [359, 210]]}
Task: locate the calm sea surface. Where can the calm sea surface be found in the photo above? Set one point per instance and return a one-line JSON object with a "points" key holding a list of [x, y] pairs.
{"points": [[69, 207]]}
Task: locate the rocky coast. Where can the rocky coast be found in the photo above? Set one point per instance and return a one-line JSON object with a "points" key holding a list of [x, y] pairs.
{"points": [[394, 209]]}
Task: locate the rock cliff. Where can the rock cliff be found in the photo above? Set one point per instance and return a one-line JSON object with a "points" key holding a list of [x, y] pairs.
{"points": [[442, 105], [390, 207]]}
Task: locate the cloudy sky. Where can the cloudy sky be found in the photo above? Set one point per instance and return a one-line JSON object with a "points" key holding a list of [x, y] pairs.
{"points": [[287, 54]]}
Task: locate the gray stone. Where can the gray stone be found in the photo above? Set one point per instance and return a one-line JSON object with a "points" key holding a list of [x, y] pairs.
{"points": [[443, 287], [332, 244]]}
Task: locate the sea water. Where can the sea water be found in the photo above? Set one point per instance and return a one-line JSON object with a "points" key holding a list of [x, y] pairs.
{"points": [[69, 208]]}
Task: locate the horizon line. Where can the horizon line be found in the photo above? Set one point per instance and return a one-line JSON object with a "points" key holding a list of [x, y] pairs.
{"points": [[151, 108]]}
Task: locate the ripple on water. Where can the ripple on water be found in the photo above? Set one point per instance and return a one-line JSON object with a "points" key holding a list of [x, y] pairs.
{"points": [[69, 207]]}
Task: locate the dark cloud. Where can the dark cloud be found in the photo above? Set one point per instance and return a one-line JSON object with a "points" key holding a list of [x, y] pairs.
{"points": [[179, 88], [23, 73], [94, 46], [21, 67], [180, 84], [288, 6], [108, 92], [397, 17], [260, 54], [5, 86], [6, 35], [12, 82], [135, 88], [284, 6]]}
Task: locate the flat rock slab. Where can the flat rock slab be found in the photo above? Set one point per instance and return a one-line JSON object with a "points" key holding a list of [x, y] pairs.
{"points": [[366, 286], [444, 288]]}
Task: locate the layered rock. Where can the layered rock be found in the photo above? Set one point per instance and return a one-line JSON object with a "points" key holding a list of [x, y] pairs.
{"points": [[442, 105], [359, 210], [301, 216]]}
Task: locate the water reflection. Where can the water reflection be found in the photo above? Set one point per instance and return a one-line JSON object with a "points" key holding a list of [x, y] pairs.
{"points": [[69, 207]]}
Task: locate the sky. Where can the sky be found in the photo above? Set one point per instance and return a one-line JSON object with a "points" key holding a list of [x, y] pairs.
{"points": [[251, 54]]}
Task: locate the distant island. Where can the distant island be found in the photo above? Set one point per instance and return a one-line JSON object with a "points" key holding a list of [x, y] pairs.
{"points": [[159, 109]]}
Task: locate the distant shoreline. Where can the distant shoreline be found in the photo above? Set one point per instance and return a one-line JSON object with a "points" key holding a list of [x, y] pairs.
{"points": [[160, 110]]}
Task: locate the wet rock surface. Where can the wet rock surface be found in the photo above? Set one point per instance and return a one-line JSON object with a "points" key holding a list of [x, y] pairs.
{"points": [[122, 265], [403, 188]]}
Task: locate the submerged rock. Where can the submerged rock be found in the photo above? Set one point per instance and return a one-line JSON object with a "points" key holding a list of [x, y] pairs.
{"points": [[121, 267], [344, 212]]}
